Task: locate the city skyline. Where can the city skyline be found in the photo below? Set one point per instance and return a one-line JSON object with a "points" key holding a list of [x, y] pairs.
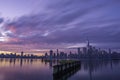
{"points": [[37, 26]]}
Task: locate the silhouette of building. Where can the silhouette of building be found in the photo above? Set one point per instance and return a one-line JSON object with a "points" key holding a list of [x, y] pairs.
{"points": [[79, 51], [51, 54], [109, 51], [54, 55], [46, 55], [57, 51], [22, 54], [88, 52], [84, 50], [88, 44]]}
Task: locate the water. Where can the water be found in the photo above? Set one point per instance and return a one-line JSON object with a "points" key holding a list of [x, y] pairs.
{"points": [[37, 69]]}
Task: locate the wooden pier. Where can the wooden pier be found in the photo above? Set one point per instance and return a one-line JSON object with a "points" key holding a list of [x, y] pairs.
{"points": [[65, 70]]}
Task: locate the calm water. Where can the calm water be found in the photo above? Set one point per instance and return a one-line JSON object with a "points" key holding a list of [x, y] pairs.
{"points": [[37, 69]]}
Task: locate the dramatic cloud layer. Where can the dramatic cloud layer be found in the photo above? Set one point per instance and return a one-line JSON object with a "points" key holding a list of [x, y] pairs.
{"points": [[60, 24], [1, 20]]}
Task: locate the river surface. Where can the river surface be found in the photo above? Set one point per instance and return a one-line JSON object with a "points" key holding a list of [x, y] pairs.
{"points": [[37, 69]]}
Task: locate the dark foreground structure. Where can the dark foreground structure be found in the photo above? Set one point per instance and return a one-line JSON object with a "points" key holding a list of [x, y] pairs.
{"points": [[65, 70]]}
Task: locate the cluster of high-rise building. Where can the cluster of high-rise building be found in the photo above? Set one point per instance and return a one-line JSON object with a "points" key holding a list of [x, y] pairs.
{"points": [[88, 52], [14, 55], [58, 55]]}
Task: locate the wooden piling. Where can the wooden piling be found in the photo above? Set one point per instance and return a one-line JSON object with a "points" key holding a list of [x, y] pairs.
{"points": [[65, 69], [65, 66]]}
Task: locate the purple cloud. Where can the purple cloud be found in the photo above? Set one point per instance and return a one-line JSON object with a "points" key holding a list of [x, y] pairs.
{"points": [[67, 22], [1, 20]]}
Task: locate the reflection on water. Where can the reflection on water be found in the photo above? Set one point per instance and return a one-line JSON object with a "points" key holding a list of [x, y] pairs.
{"points": [[98, 70], [37, 69], [24, 69]]}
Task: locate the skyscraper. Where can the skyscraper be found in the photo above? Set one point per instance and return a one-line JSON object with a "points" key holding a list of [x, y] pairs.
{"points": [[51, 54], [57, 51], [78, 50], [109, 51], [88, 44], [84, 51]]}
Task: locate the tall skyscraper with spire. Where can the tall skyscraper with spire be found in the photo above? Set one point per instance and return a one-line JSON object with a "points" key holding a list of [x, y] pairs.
{"points": [[89, 49], [88, 43]]}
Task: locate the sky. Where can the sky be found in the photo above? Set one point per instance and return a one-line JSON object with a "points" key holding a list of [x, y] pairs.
{"points": [[34, 25]]}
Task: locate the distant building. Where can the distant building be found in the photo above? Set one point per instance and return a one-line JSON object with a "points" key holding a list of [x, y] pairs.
{"points": [[88, 44], [84, 50], [79, 51], [109, 51], [46, 55], [54, 55], [51, 54], [57, 51], [22, 54], [57, 55]]}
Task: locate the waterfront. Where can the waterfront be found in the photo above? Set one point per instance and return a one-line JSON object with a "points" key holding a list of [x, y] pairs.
{"points": [[38, 69]]}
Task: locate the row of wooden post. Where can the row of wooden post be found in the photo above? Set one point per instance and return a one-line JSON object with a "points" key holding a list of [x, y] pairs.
{"points": [[63, 68]]}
